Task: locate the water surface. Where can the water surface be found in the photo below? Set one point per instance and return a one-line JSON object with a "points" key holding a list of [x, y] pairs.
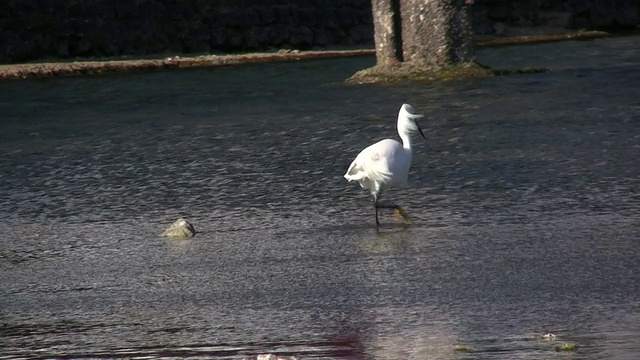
{"points": [[524, 198]]}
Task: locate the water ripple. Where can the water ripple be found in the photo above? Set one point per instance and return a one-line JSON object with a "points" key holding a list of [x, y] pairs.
{"points": [[525, 205]]}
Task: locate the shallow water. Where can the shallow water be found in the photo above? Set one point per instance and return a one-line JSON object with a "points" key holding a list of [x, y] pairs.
{"points": [[525, 201]]}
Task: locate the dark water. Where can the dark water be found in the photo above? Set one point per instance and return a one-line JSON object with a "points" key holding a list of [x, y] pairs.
{"points": [[525, 201]]}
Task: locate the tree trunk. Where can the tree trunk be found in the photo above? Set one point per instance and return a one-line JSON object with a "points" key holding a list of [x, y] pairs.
{"points": [[387, 31], [436, 33], [418, 40], [421, 40]]}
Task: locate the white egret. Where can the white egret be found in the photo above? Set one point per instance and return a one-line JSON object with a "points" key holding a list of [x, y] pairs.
{"points": [[386, 163]]}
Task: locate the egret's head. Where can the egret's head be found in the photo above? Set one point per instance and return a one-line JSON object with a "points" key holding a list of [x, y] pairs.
{"points": [[407, 119]]}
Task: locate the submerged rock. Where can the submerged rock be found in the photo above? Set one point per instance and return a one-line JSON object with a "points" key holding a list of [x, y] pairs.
{"points": [[275, 357], [418, 72], [180, 229], [567, 347], [266, 357]]}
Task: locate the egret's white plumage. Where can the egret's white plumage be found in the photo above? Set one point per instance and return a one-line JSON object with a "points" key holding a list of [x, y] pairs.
{"points": [[386, 163]]}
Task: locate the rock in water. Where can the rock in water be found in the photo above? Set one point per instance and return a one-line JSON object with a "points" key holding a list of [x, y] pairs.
{"points": [[274, 357], [267, 357], [181, 229]]}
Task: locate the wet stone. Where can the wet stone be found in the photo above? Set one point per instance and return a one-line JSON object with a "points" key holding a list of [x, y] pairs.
{"points": [[180, 229], [275, 357]]}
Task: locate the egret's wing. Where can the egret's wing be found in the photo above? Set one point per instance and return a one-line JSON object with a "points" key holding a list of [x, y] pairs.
{"points": [[372, 163]]}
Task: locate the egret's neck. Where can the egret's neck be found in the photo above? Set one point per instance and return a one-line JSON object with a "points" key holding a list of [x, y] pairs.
{"points": [[406, 139]]}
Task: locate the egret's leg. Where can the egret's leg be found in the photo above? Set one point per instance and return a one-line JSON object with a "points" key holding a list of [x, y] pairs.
{"points": [[376, 205]]}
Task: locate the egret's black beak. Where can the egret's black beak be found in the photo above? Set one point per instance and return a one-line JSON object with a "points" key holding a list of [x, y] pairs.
{"points": [[421, 133]]}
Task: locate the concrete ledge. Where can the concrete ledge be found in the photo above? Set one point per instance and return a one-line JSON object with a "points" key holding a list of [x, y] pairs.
{"points": [[52, 69], [529, 39], [106, 66]]}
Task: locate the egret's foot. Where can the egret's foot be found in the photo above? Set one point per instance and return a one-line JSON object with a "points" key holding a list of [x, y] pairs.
{"points": [[401, 214]]}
